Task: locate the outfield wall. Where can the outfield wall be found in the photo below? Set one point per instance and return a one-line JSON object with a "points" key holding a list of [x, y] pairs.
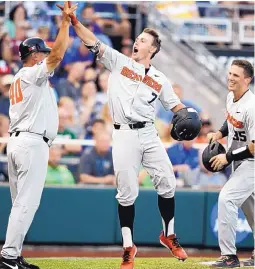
{"points": [[89, 216]]}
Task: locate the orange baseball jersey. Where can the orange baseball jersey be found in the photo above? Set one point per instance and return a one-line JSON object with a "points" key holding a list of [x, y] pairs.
{"points": [[33, 106], [132, 94]]}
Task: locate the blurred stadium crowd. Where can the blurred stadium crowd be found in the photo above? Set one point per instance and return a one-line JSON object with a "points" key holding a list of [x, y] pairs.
{"points": [[80, 86], [197, 9]]}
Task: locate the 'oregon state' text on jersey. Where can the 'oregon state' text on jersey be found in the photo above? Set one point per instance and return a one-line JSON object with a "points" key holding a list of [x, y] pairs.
{"points": [[132, 93]]}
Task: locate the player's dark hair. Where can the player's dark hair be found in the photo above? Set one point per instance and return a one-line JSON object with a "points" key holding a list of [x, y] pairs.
{"points": [[247, 67], [157, 41]]}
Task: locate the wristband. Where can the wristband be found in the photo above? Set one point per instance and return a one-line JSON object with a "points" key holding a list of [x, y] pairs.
{"points": [[94, 48], [74, 20], [239, 154]]}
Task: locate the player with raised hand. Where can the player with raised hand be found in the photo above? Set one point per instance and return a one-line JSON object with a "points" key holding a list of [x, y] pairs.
{"points": [[33, 126], [134, 86]]}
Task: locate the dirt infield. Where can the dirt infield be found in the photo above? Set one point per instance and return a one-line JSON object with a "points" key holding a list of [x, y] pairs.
{"points": [[112, 251]]}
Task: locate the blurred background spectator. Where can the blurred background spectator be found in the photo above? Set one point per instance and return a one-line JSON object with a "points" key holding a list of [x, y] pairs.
{"points": [[97, 126], [205, 129], [88, 106], [57, 174], [5, 51], [5, 83], [103, 86], [184, 158], [165, 117], [91, 20], [65, 133], [180, 9], [96, 165], [90, 74], [4, 127], [71, 86], [115, 23], [72, 120], [17, 15], [106, 116]]}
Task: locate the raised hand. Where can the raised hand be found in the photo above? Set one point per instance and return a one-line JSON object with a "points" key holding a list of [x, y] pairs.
{"points": [[68, 10]]}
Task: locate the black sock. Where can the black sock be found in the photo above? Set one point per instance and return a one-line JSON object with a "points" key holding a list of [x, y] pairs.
{"points": [[127, 216], [166, 208]]}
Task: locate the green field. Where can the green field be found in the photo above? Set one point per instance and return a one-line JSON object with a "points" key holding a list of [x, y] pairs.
{"points": [[114, 263]]}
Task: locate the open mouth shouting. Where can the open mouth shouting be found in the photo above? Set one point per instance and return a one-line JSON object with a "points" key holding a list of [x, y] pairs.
{"points": [[135, 50]]}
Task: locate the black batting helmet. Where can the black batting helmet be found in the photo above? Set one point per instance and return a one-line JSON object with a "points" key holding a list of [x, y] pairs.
{"points": [[30, 45], [186, 124], [213, 149]]}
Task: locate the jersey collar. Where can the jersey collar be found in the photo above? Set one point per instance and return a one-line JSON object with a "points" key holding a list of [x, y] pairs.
{"points": [[234, 101]]}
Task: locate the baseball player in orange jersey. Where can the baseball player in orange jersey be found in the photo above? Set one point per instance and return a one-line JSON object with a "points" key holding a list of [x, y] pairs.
{"points": [[33, 127], [239, 190], [134, 87]]}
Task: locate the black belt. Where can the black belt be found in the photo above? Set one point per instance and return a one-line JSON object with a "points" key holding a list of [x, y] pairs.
{"points": [[45, 139], [137, 125]]}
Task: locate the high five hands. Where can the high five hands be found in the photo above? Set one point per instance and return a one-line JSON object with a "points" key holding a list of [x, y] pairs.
{"points": [[68, 10]]}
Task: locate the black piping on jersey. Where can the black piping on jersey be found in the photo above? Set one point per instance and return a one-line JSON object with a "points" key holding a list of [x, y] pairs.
{"points": [[234, 101]]}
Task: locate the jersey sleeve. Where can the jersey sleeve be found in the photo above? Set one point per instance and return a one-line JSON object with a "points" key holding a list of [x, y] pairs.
{"points": [[250, 123], [112, 59], [167, 96], [37, 74]]}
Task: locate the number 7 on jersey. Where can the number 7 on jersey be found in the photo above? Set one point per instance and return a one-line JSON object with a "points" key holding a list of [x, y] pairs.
{"points": [[15, 92], [154, 97]]}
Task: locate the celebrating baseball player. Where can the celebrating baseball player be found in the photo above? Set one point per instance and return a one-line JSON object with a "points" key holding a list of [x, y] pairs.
{"points": [[239, 190], [33, 127], [133, 88]]}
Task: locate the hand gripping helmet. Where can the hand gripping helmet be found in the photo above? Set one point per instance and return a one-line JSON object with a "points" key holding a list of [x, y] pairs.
{"points": [[213, 149], [186, 124], [30, 45]]}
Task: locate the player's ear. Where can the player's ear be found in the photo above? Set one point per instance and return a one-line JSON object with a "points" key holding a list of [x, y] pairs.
{"points": [[153, 49], [248, 80], [33, 56]]}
